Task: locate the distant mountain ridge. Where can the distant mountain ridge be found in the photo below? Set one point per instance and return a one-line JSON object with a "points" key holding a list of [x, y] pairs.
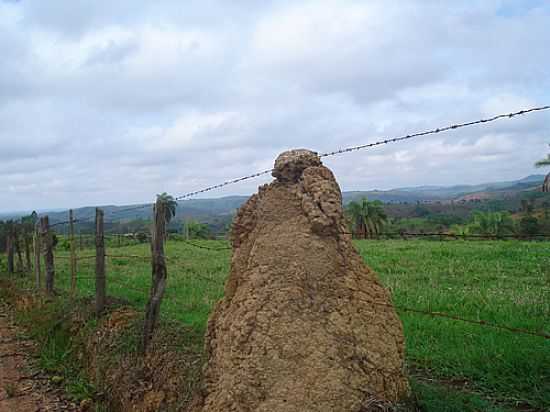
{"points": [[458, 190], [207, 210]]}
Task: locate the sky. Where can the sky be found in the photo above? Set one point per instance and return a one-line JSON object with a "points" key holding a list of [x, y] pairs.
{"points": [[106, 102]]}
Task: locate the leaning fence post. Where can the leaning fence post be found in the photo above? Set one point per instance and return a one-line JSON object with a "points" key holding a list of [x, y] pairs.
{"points": [[73, 252], [99, 263], [47, 240], [159, 274], [36, 251]]}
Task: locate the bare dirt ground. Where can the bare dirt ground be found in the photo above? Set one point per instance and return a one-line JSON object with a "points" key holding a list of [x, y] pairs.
{"points": [[23, 387]]}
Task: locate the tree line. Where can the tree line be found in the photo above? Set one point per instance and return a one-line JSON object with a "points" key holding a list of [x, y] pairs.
{"points": [[369, 219]]}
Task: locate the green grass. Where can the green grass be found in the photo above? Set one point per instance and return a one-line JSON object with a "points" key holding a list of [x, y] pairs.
{"points": [[434, 397], [502, 282], [56, 353]]}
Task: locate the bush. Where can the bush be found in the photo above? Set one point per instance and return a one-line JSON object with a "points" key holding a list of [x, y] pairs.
{"points": [[529, 225], [141, 237]]}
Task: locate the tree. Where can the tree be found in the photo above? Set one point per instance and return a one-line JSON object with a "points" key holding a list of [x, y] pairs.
{"points": [[543, 163], [141, 237], [170, 206], [529, 225], [546, 210], [527, 206], [545, 221], [367, 217], [492, 224], [460, 230], [197, 230]]}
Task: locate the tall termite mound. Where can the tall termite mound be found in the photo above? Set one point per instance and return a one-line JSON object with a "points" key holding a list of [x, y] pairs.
{"points": [[304, 324]]}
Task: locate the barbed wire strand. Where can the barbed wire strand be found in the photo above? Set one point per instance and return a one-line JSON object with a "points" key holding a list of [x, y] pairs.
{"points": [[452, 235], [207, 247], [438, 314], [461, 319], [475, 322], [435, 131], [334, 153]]}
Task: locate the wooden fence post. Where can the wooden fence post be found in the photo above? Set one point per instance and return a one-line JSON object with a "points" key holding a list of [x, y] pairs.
{"points": [[159, 275], [73, 252], [47, 240], [36, 251], [99, 263], [10, 252], [17, 245], [27, 251]]}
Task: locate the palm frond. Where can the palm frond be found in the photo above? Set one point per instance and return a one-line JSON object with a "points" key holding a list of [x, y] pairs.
{"points": [[543, 162]]}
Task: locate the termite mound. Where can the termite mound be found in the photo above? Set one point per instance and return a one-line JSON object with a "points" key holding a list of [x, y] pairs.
{"points": [[304, 324]]}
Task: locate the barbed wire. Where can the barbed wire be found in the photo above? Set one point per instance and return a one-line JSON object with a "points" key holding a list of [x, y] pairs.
{"points": [[77, 258], [332, 153], [450, 235], [479, 322], [220, 185], [435, 131], [217, 249], [127, 256], [380, 142], [475, 322]]}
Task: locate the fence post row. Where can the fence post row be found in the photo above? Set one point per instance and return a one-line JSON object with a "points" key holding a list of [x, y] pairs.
{"points": [[73, 252], [36, 251], [47, 241], [99, 263], [159, 274]]}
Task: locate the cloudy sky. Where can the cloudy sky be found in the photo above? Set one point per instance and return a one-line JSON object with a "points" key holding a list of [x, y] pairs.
{"points": [[105, 102]]}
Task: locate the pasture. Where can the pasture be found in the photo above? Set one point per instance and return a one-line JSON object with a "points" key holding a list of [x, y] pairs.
{"points": [[454, 365]]}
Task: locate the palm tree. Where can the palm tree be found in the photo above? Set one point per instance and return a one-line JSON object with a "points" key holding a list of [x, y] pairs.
{"points": [[368, 217], [543, 163], [170, 206]]}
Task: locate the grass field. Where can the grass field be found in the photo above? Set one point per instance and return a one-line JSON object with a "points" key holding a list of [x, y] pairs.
{"points": [[455, 366]]}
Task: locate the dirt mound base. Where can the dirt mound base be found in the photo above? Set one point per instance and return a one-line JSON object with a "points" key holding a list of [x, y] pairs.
{"points": [[304, 324]]}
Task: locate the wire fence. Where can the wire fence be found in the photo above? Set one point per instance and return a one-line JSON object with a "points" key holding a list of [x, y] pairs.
{"points": [[177, 295], [190, 289], [185, 272]]}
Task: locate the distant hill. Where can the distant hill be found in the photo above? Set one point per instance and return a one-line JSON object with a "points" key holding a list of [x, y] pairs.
{"points": [[453, 192], [221, 209], [447, 193]]}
